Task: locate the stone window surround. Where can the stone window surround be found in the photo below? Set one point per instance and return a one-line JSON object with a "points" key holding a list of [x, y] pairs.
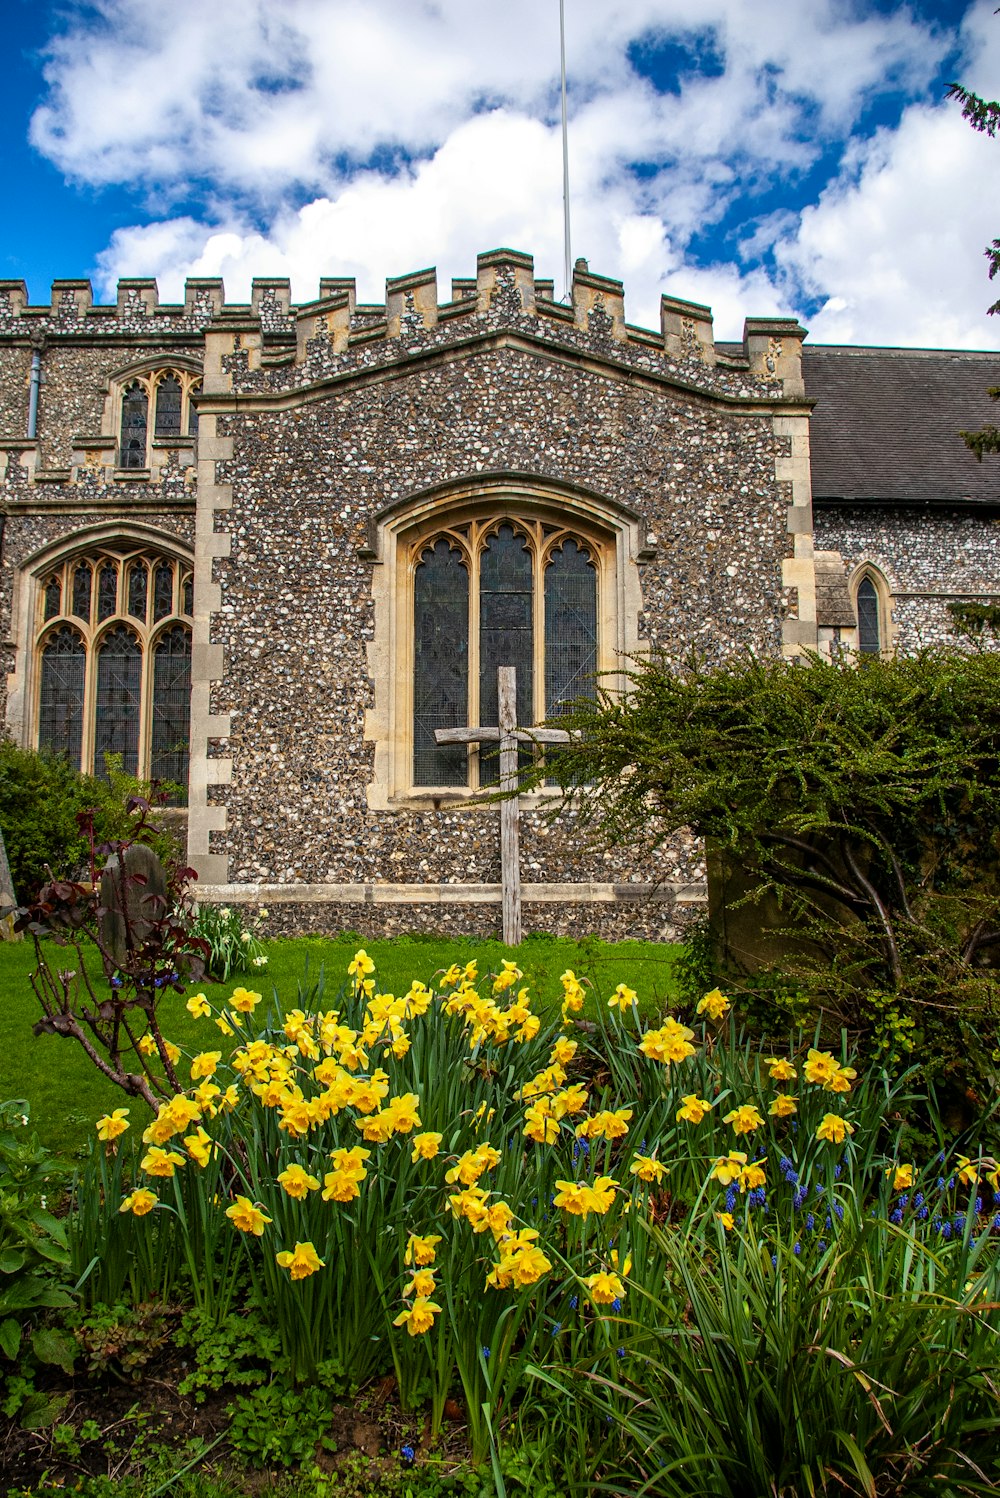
{"points": [[148, 373], [616, 537], [26, 611], [886, 624]]}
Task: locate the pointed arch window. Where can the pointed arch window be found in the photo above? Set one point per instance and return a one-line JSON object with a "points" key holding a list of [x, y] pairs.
{"points": [[872, 603], [169, 395], [113, 662], [489, 593]]}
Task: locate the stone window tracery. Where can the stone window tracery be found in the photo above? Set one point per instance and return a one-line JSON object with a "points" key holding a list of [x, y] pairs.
{"points": [[167, 394], [873, 608], [113, 661], [489, 592]]}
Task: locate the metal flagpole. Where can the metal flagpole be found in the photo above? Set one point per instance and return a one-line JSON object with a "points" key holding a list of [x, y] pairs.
{"points": [[568, 268]]}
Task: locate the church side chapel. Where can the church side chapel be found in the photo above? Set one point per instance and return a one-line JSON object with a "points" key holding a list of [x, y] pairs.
{"points": [[279, 554]]}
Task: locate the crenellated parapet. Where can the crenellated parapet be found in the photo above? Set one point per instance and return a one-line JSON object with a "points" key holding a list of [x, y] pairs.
{"points": [[273, 343]]}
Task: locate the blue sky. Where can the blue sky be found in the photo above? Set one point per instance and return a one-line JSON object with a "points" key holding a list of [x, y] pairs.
{"points": [[758, 156]]}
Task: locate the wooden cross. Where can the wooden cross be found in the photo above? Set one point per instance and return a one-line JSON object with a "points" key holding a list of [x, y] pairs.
{"points": [[508, 734]]}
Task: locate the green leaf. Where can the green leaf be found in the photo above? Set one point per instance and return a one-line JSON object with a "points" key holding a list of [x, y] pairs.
{"points": [[12, 1259], [53, 1346], [40, 1410], [10, 1337]]}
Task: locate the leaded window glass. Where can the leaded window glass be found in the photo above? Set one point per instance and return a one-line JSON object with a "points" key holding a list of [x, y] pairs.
{"points": [[118, 702], [193, 412], [53, 597], [440, 664], [869, 629], [107, 591], [107, 682], [506, 632], [62, 679], [521, 593], [137, 586], [168, 407], [570, 628], [135, 409], [82, 579], [163, 590], [171, 706]]}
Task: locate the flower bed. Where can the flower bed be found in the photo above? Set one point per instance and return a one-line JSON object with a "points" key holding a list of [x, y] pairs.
{"points": [[681, 1265]]}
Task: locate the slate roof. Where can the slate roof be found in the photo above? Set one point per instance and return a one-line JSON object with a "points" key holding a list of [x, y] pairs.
{"points": [[886, 423]]}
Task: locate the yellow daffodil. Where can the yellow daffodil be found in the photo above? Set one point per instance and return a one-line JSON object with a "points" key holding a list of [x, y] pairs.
{"points": [[752, 1176], [563, 1051], [301, 1261], [715, 1005], [783, 1106], [727, 1170], [902, 1177], [200, 1147], [605, 1125], [204, 1064], [360, 966], [245, 1000], [623, 998], [670, 1044], [147, 1044], [112, 1124], [779, 1069], [159, 1162], [243, 1214], [727, 1220], [139, 1202], [834, 1129], [604, 1288], [296, 1181], [425, 1146], [422, 1282], [967, 1172], [647, 1169], [745, 1119], [403, 1112], [419, 1318], [421, 1250], [198, 1006], [693, 1109], [820, 1066]]}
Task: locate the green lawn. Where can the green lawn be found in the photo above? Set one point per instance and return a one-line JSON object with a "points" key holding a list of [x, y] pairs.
{"points": [[66, 1094]]}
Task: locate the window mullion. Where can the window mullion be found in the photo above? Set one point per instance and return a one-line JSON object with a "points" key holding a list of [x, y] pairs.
{"points": [[475, 551]]}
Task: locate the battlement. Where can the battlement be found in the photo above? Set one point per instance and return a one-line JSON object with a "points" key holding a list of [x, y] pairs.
{"points": [[505, 289]]}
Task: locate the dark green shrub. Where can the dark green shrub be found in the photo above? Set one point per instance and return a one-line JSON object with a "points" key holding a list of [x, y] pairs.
{"points": [[40, 796]]}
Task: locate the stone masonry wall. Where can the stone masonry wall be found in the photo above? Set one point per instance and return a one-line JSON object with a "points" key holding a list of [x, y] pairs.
{"points": [[927, 566]]}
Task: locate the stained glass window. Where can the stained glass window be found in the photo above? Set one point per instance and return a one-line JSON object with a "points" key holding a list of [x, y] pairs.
{"points": [[107, 590], [523, 594], [82, 579], [137, 587], [171, 726], [193, 412], [869, 631], [107, 683], [163, 590], [168, 407], [441, 664], [118, 702], [570, 628], [135, 408], [61, 694], [53, 597]]}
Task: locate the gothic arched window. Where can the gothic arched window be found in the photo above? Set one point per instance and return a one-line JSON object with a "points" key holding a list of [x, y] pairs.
{"points": [[872, 603], [113, 652], [487, 593], [170, 393]]}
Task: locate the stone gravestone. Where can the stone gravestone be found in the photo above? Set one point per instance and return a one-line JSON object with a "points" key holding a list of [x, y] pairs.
{"points": [[8, 899], [133, 889]]}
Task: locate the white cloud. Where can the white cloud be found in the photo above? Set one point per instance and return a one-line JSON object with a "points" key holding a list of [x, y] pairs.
{"points": [[420, 133]]}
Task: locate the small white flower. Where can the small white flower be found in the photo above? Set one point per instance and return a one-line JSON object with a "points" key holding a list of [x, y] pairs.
{"points": [[245, 937], [263, 912], [260, 962], [225, 912]]}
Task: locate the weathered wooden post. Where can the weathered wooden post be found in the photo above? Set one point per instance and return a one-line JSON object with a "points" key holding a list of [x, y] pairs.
{"points": [[508, 735]]}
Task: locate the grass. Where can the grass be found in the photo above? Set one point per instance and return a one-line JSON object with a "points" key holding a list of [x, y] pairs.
{"points": [[66, 1094]]}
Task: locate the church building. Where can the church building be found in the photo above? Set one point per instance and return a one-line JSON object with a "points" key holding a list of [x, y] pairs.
{"points": [[265, 550]]}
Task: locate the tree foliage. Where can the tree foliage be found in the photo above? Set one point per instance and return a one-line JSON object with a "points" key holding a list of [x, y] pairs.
{"points": [[983, 115], [861, 801]]}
